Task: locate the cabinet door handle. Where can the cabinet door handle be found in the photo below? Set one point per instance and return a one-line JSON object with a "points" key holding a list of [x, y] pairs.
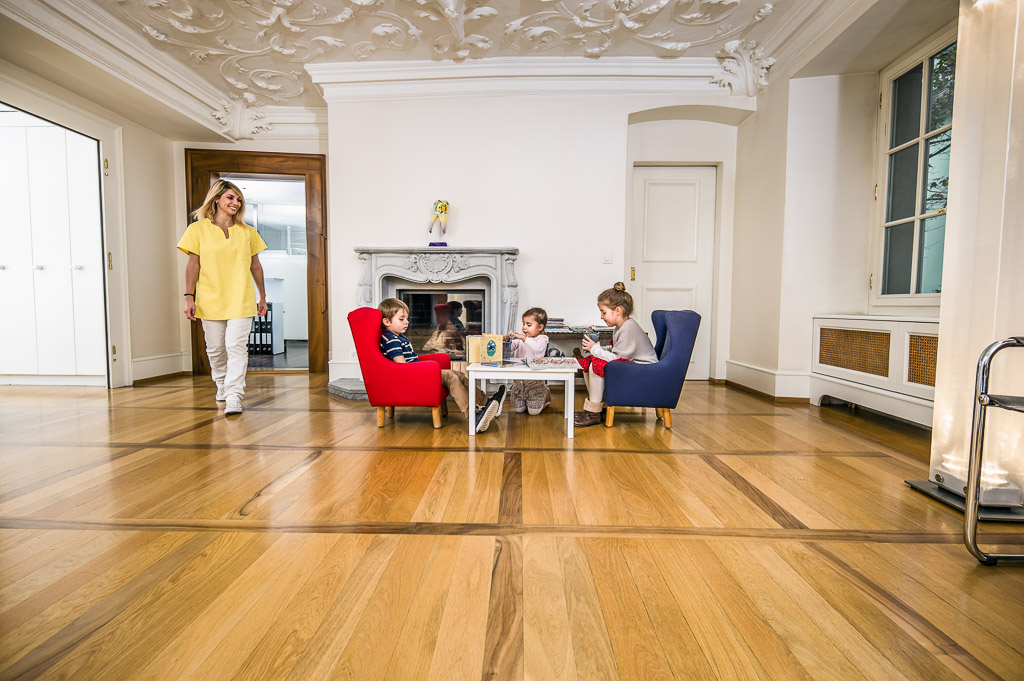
{"points": [[39, 267], [76, 267]]}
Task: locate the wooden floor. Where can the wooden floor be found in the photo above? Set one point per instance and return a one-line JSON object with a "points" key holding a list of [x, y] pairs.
{"points": [[145, 536]]}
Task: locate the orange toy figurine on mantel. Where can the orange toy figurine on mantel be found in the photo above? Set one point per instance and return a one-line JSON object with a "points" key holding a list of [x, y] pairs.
{"points": [[440, 219]]}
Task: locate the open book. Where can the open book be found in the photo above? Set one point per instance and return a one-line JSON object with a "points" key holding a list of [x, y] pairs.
{"points": [[552, 362]]}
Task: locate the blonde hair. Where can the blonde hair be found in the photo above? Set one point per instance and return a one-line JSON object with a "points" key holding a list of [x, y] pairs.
{"points": [[389, 307], [616, 296], [209, 207]]}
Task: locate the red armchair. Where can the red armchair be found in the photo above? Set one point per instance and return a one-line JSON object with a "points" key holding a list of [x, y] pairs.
{"points": [[394, 384]]}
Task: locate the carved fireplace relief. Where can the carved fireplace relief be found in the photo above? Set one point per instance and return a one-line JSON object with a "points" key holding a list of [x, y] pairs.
{"points": [[387, 272]]}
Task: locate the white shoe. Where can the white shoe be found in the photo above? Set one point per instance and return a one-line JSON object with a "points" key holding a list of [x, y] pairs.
{"points": [[221, 395], [233, 406]]}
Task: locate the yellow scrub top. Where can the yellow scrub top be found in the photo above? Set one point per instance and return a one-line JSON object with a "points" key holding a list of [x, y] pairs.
{"points": [[225, 288]]}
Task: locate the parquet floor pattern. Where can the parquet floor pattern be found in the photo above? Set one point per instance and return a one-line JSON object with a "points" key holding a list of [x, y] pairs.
{"points": [[145, 536]]}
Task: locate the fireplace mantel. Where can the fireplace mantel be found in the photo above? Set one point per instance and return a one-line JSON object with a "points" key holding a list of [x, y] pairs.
{"points": [[386, 267]]}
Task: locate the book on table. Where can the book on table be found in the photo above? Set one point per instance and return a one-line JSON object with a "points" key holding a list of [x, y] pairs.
{"points": [[552, 363]]}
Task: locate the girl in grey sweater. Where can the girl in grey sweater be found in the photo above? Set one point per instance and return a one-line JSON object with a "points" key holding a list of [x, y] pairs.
{"points": [[629, 343]]}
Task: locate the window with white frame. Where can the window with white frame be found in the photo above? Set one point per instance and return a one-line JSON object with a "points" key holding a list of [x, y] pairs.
{"points": [[915, 166]]}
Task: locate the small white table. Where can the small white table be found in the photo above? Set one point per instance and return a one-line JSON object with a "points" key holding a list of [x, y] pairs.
{"points": [[508, 372]]}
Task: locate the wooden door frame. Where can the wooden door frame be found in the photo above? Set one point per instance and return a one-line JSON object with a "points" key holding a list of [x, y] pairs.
{"points": [[204, 165]]}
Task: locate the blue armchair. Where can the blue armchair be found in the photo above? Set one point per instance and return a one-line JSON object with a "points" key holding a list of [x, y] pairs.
{"points": [[654, 385]]}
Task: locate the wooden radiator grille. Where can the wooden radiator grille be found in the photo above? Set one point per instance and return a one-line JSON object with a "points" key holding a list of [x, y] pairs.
{"points": [[864, 351], [923, 353]]}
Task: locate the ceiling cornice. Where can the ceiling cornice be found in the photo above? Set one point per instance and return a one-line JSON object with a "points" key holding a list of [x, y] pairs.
{"points": [[806, 24], [81, 28], [371, 81], [294, 123]]}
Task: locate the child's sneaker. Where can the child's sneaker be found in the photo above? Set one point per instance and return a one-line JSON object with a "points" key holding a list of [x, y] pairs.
{"points": [[221, 395], [499, 397], [486, 414]]}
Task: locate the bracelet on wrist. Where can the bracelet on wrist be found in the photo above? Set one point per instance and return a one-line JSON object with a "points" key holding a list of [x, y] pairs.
{"points": [[192, 295]]}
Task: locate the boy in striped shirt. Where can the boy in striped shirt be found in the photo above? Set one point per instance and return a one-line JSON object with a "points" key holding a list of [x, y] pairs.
{"points": [[398, 348]]}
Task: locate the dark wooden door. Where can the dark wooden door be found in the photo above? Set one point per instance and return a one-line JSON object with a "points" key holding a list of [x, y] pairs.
{"points": [[202, 166]]}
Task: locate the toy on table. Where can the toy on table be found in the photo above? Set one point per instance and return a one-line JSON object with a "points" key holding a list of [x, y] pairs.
{"points": [[440, 218]]}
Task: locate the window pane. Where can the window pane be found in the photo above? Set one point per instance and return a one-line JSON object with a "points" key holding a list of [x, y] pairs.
{"points": [[902, 183], [929, 260], [940, 88], [906, 109], [935, 181], [899, 254]]}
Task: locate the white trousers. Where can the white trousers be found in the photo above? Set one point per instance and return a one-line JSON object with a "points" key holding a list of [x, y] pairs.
{"points": [[226, 347]]}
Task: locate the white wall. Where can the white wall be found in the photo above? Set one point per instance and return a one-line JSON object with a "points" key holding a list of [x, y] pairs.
{"points": [[828, 213], [803, 223], [758, 239], [546, 174], [690, 142], [155, 295]]}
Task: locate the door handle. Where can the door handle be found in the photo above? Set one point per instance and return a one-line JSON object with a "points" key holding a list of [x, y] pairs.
{"points": [[632, 274], [76, 267], [39, 267]]}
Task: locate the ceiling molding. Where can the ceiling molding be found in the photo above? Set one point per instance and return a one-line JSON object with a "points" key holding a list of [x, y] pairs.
{"points": [[365, 81], [295, 123], [806, 25], [85, 30]]}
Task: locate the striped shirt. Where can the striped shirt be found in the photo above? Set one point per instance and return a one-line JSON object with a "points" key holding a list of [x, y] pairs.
{"points": [[394, 345]]}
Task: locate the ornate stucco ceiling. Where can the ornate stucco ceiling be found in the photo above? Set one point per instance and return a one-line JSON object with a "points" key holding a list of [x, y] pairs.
{"points": [[255, 50]]}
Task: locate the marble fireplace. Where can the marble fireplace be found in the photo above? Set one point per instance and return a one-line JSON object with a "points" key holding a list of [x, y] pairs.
{"points": [[389, 271]]}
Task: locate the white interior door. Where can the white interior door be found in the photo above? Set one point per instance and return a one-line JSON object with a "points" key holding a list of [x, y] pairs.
{"points": [[672, 249], [18, 340], [51, 268], [51, 254], [85, 223]]}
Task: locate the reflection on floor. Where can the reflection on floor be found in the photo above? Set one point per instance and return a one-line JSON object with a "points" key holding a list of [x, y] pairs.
{"points": [[144, 534], [295, 356]]}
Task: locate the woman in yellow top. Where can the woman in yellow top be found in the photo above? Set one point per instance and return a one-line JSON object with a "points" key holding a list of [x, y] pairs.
{"points": [[222, 264]]}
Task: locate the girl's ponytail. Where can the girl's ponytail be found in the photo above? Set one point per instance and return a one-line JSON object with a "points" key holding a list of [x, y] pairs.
{"points": [[616, 296]]}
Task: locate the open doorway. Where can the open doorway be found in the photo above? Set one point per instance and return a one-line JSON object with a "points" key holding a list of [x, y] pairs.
{"points": [[276, 207], [295, 231]]}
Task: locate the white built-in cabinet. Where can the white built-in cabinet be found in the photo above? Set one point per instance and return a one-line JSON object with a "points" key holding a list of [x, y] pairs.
{"points": [[51, 262]]}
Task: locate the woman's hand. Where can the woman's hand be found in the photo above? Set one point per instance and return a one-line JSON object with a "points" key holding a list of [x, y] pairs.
{"points": [[261, 307], [587, 343], [190, 308]]}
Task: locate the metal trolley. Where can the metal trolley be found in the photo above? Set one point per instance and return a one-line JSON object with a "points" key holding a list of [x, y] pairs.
{"points": [[982, 402]]}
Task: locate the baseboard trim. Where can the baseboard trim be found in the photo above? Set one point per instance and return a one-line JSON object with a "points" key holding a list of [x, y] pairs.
{"points": [[781, 386], [163, 377], [337, 369], [156, 366], [55, 380], [766, 396]]}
